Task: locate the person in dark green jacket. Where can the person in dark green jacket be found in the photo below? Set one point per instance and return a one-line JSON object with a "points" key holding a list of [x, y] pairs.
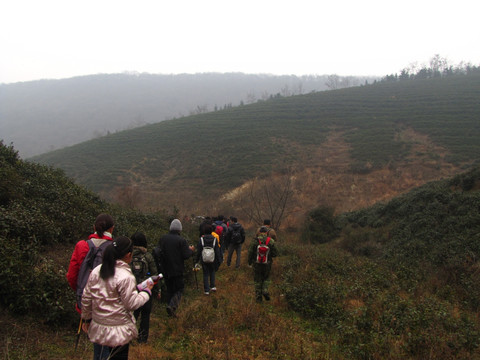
{"points": [[261, 252], [143, 272]]}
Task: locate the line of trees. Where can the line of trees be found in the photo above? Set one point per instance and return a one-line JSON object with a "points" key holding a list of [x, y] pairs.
{"points": [[438, 67]]}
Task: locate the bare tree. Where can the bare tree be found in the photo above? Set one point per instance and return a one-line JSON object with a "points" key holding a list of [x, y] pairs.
{"points": [[333, 82], [128, 196], [286, 91], [251, 98], [438, 65], [300, 88], [268, 199], [199, 110]]}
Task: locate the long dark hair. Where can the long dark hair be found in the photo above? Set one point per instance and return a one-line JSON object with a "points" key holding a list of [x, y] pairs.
{"points": [[103, 222], [119, 247]]}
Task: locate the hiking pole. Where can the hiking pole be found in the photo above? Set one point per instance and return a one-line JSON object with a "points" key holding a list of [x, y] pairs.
{"points": [[195, 269], [79, 332]]}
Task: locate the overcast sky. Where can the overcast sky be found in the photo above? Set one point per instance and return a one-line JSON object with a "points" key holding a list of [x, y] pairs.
{"points": [[52, 39]]}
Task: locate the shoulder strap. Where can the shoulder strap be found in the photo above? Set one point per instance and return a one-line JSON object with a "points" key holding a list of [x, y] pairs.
{"points": [[267, 241], [201, 239]]}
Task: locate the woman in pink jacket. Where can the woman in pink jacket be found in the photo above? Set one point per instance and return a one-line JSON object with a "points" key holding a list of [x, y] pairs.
{"points": [[108, 302]]}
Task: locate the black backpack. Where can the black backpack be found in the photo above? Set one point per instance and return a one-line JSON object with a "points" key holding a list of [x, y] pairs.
{"points": [[92, 259], [139, 267], [236, 236]]}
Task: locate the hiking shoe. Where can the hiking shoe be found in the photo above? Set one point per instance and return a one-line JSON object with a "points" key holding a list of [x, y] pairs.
{"points": [[266, 296], [206, 293], [213, 289]]}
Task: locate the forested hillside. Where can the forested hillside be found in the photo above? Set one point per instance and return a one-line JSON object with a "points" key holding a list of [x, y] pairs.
{"points": [[379, 139], [40, 116]]}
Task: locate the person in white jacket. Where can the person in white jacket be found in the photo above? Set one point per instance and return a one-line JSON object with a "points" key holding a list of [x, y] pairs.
{"points": [[109, 299]]}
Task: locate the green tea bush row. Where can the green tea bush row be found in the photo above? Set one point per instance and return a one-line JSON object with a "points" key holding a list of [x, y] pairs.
{"points": [[361, 303]]}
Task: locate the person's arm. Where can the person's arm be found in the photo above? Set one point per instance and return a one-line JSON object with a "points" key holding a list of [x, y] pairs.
{"points": [[216, 248], [273, 248], [129, 295], [199, 251], [87, 299], [187, 251], [272, 234], [152, 268]]}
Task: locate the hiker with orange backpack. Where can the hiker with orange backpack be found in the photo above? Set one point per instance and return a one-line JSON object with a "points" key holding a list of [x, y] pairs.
{"points": [[261, 252]]}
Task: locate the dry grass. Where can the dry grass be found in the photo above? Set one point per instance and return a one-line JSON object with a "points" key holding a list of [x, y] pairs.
{"points": [[228, 324]]}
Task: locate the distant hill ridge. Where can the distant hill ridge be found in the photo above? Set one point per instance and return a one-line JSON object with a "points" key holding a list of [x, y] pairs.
{"points": [[388, 126], [44, 115]]}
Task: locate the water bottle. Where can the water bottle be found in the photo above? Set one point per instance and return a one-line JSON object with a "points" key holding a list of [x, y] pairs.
{"points": [[151, 280]]}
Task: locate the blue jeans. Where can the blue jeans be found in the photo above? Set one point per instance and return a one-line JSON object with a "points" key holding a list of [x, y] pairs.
{"points": [[208, 276]]}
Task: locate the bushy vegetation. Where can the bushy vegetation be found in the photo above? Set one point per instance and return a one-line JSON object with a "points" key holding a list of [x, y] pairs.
{"points": [[320, 225], [41, 213], [401, 280]]}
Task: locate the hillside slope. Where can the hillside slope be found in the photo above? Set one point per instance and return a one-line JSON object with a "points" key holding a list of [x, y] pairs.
{"points": [[40, 116], [407, 132], [400, 281]]}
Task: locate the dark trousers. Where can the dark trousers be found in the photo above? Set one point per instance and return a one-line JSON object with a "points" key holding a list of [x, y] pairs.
{"points": [[144, 313], [238, 250], [175, 288], [261, 278]]}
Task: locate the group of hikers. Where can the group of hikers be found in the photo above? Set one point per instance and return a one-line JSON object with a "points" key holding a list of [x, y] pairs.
{"points": [[115, 279]]}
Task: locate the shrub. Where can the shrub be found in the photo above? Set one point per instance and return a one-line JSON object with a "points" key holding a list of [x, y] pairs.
{"points": [[320, 226]]}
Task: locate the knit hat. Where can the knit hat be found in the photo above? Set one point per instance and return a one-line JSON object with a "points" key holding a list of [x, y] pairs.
{"points": [[176, 225], [139, 239]]}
